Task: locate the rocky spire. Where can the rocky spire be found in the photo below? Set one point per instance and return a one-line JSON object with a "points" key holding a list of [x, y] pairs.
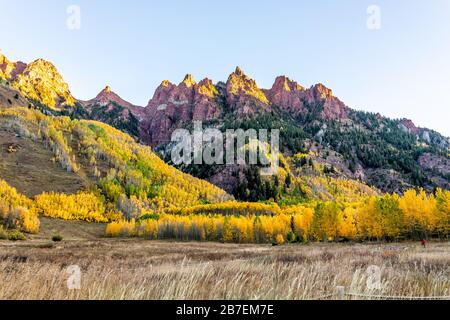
{"points": [[243, 93], [188, 81]]}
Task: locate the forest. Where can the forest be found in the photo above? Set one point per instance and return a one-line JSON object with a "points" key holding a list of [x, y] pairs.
{"points": [[139, 195]]}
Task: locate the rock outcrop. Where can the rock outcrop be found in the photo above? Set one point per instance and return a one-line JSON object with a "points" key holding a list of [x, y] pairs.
{"points": [[174, 106], [287, 94], [244, 96], [39, 81]]}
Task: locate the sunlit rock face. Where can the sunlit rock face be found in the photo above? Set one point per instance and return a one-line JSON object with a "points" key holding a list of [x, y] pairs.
{"points": [[39, 81], [244, 96], [174, 106]]}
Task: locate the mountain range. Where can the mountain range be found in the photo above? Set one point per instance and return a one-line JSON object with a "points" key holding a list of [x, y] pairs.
{"points": [[324, 142]]}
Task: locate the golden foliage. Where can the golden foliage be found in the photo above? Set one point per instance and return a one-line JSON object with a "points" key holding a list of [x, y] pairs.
{"points": [[231, 208], [82, 206], [16, 210], [389, 216], [41, 81]]}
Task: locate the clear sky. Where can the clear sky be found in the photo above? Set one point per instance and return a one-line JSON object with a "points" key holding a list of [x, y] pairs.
{"points": [[400, 70]]}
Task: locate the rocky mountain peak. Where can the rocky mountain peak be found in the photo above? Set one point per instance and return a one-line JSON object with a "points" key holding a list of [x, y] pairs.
{"points": [[188, 81], [41, 81], [207, 88], [243, 93], [320, 91], [165, 83], [6, 67], [283, 83], [107, 96], [286, 94], [238, 71]]}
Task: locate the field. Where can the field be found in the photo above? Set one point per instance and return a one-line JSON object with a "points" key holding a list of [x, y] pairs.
{"points": [[139, 269]]}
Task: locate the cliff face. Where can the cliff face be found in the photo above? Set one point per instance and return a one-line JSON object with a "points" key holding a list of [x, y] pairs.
{"points": [[294, 98], [174, 106], [9, 70], [244, 96]]}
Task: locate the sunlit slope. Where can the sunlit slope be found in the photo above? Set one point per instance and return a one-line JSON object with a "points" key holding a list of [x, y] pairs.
{"points": [[65, 155]]}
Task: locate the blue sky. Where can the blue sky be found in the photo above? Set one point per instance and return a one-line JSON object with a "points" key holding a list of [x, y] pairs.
{"points": [[400, 70]]}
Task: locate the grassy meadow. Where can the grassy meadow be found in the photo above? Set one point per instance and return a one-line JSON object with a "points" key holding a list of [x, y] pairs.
{"points": [[142, 269]]}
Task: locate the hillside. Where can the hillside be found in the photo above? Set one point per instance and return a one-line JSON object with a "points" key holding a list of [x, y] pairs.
{"points": [[84, 170], [43, 153]]}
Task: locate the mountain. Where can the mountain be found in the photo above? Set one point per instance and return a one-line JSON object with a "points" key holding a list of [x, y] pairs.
{"points": [[391, 155], [109, 107], [54, 154], [38, 81], [324, 143]]}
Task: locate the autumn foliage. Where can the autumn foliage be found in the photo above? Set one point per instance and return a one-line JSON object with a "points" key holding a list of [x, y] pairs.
{"points": [[142, 196], [16, 210], [391, 217], [83, 206]]}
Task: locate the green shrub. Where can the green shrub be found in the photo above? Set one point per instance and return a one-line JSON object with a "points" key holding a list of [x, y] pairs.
{"points": [[16, 235], [291, 237], [57, 238], [149, 216]]}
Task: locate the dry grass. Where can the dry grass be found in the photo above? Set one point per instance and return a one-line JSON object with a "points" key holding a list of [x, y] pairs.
{"points": [[137, 269], [31, 170]]}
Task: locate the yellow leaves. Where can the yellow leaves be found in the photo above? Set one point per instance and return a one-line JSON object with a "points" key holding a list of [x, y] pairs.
{"points": [[302, 220], [82, 206], [29, 220], [375, 218], [120, 228], [231, 208], [419, 210], [443, 210], [370, 220], [16, 210], [347, 223], [236, 229], [279, 239]]}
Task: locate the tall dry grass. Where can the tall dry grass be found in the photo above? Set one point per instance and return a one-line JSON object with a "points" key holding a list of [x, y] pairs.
{"points": [[133, 269]]}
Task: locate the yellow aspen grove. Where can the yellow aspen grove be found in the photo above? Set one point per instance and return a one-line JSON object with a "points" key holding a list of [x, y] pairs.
{"points": [[443, 212], [302, 221], [347, 223], [370, 220], [419, 210], [16, 210], [82, 206], [375, 218]]}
